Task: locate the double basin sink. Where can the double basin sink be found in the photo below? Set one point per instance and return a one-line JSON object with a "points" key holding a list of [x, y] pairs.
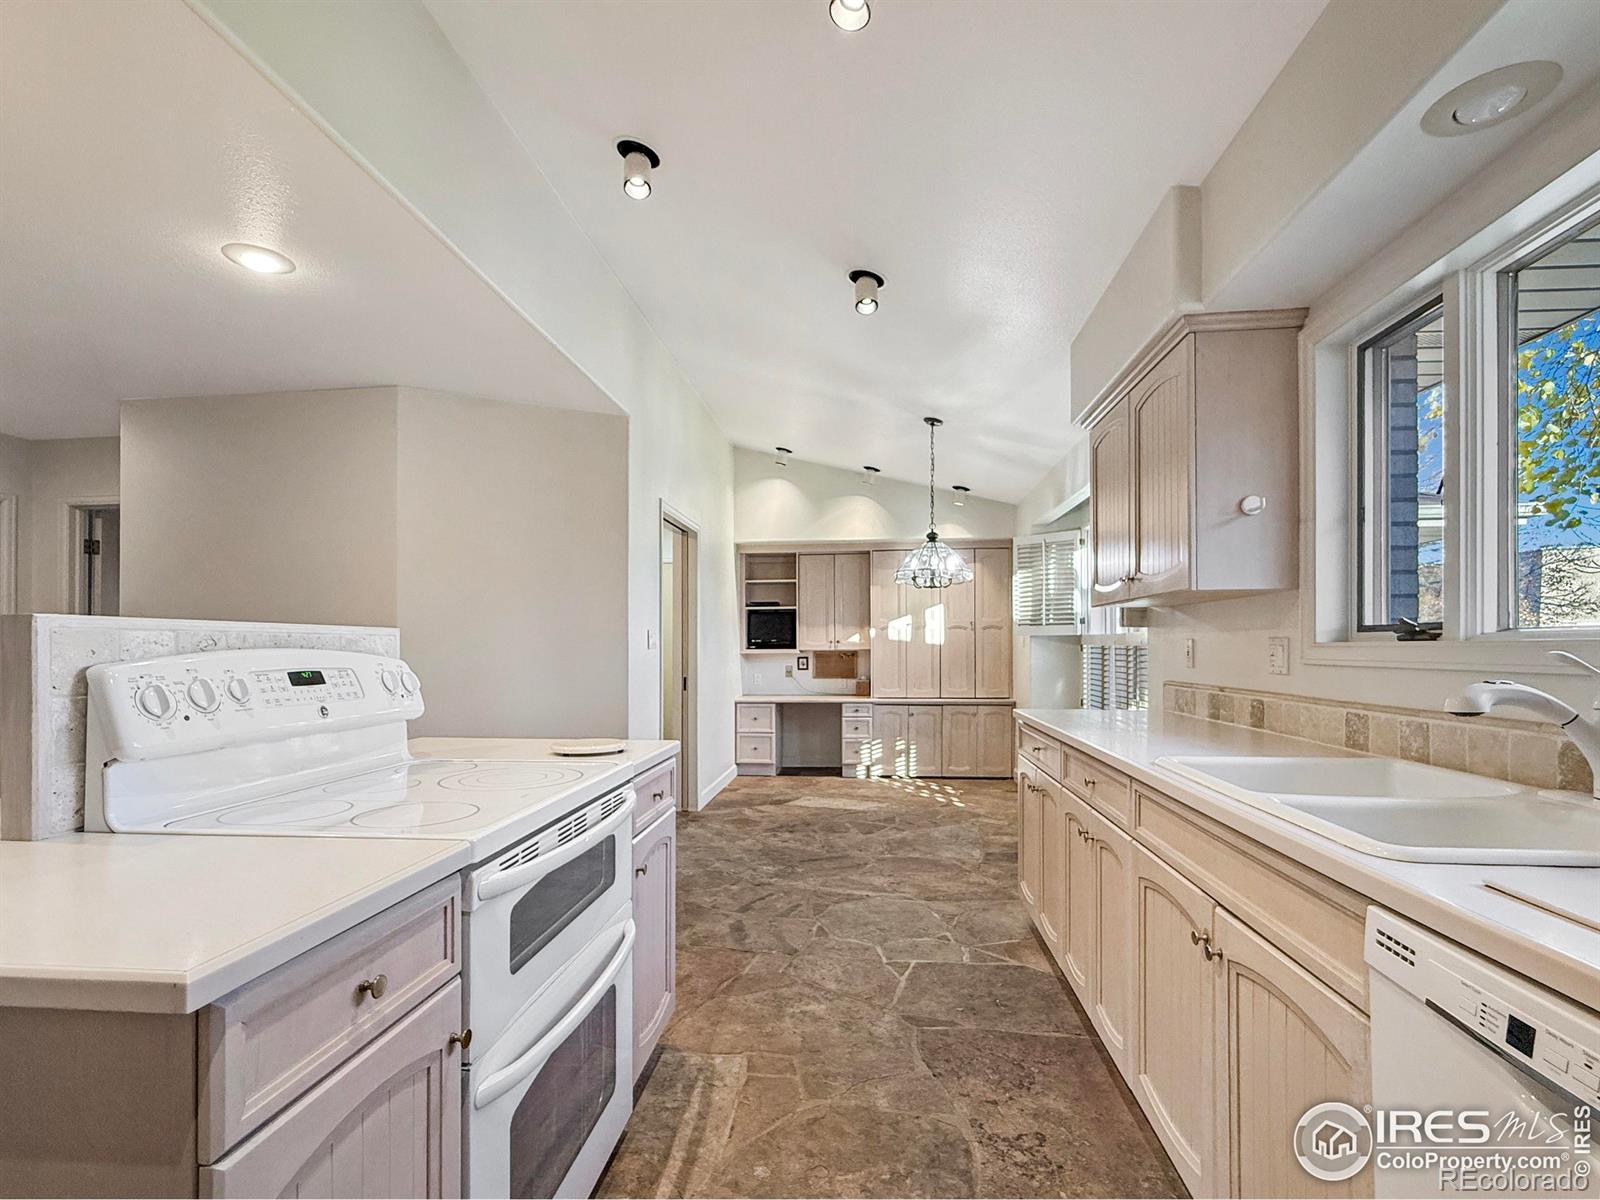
{"points": [[1408, 811]]}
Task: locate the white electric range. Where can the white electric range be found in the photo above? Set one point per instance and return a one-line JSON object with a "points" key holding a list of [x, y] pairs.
{"points": [[301, 743]]}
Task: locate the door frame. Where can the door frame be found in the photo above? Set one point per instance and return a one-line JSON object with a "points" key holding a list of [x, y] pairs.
{"points": [[9, 504], [687, 610], [73, 530]]}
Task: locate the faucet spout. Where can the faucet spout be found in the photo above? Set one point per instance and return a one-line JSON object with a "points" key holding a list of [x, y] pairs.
{"points": [[1480, 699]]}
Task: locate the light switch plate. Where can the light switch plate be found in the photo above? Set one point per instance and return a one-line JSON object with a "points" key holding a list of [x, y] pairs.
{"points": [[1277, 656], [1188, 653]]}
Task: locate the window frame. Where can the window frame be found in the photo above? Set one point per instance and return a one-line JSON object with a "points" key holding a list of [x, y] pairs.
{"points": [[1479, 382]]}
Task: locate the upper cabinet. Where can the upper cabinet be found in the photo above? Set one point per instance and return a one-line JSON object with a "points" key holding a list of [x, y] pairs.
{"points": [[833, 592], [942, 643], [1193, 464]]}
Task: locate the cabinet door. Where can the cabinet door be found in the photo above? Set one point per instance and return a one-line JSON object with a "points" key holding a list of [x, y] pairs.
{"points": [[1078, 928], [926, 724], [1174, 1037], [386, 1123], [655, 863], [1111, 526], [852, 607], [922, 651], [814, 620], [992, 581], [891, 626], [958, 742], [1053, 866], [1030, 827], [997, 741], [891, 738], [1110, 1000], [1286, 1043], [958, 650], [1161, 408]]}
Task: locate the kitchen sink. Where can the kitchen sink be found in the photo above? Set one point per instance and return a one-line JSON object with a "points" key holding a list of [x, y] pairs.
{"points": [[1408, 811]]}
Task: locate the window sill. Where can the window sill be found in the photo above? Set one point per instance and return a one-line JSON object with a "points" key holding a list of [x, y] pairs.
{"points": [[1526, 653]]}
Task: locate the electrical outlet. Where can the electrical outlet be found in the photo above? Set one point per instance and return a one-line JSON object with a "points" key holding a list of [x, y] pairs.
{"points": [[758, 680], [1277, 656], [1188, 653]]}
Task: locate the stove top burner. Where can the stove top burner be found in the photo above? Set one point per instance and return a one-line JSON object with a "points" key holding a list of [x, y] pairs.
{"points": [[284, 812], [407, 816]]}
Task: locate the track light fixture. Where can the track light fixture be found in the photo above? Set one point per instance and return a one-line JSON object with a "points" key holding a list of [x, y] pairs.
{"points": [[869, 475], [961, 491], [783, 455], [638, 160], [867, 285]]}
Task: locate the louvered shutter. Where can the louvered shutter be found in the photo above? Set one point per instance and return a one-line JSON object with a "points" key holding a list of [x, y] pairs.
{"points": [[1027, 581], [1061, 581]]}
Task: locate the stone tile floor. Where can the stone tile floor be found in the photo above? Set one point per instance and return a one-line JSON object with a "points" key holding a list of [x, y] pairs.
{"points": [[864, 1010]]}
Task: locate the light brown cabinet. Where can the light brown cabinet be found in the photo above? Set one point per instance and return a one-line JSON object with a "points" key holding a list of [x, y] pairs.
{"points": [[833, 602], [655, 957], [891, 625], [1052, 914], [942, 643], [1193, 465], [1030, 845], [956, 633], [992, 613], [975, 741]]}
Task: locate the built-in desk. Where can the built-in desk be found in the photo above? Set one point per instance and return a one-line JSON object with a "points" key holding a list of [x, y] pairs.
{"points": [[942, 737]]}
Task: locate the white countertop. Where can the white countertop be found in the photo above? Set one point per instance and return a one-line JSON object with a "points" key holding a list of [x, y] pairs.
{"points": [[1454, 900], [641, 755], [169, 923], [817, 698]]}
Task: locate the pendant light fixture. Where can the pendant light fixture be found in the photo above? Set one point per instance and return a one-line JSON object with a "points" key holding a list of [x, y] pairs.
{"points": [[933, 564]]}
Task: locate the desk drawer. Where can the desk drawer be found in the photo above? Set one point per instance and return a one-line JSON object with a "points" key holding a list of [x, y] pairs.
{"points": [[753, 748], [858, 710], [655, 792], [267, 1043], [755, 718], [857, 727]]}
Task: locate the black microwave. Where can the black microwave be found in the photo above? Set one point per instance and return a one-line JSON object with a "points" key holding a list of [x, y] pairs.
{"points": [[769, 629]]}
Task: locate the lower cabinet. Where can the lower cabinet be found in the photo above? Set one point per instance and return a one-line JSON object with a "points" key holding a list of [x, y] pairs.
{"points": [[1030, 845], [976, 741], [655, 956], [386, 1123], [1110, 992], [1053, 866], [909, 739]]}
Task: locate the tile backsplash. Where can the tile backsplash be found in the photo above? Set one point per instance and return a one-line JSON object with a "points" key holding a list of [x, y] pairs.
{"points": [[43, 707], [1532, 753]]}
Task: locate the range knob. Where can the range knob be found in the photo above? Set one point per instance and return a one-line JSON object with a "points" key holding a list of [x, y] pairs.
{"points": [[202, 694], [155, 701], [389, 680], [409, 683], [238, 690]]}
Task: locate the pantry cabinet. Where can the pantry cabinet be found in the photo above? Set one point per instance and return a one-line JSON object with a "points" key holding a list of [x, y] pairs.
{"points": [[891, 625], [833, 602], [992, 613], [1193, 463], [1225, 980], [958, 645], [942, 643]]}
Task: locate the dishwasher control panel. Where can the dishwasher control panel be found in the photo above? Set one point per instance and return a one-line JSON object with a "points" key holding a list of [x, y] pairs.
{"points": [[1539, 1032]]}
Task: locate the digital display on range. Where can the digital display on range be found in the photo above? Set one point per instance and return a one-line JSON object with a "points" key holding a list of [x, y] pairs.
{"points": [[306, 679], [1519, 1035]]}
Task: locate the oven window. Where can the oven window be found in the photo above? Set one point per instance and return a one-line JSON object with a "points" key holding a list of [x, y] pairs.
{"points": [[564, 1103], [558, 899]]}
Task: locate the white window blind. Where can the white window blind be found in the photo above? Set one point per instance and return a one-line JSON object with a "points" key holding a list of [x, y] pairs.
{"points": [[1116, 676], [1045, 583]]}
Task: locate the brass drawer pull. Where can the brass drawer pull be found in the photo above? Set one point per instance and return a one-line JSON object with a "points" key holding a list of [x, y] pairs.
{"points": [[374, 987], [462, 1039]]}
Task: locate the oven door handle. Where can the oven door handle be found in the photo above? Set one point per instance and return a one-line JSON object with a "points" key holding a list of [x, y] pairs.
{"points": [[505, 881], [533, 1059]]}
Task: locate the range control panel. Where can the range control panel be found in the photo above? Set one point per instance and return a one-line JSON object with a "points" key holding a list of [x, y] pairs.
{"points": [[190, 703]]}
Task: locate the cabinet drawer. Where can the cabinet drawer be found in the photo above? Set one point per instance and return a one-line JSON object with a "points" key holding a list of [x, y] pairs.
{"points": [[1319, 923], [755, 718], [655, 792], [1040, 750], [753, 748], [857, 727], [858, 710], [857, 758], [1108, 790], [271, 1040]]}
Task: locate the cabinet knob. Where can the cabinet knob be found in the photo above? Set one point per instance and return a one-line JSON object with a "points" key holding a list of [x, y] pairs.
{"points": [[644, 870], [462, 1039], [374, 987], [1253, 506]]}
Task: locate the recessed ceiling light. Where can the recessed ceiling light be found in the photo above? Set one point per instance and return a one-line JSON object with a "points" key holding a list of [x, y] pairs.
{"points": [[783, 455], [961, 491], [867, 474], [849, 15], [257, 258], [867, 285], [1491, 98], [638, 160]]}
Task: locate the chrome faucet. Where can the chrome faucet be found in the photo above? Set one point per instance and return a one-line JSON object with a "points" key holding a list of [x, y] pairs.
{"points": [[1480, 699]]}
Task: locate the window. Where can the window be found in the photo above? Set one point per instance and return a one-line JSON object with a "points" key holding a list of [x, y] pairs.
{"points": [[1401, 508], [1552, 360], [1116, 676]]}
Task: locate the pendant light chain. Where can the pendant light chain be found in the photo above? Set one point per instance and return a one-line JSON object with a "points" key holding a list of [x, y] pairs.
{"points": [[932, 429], [933, 564]]}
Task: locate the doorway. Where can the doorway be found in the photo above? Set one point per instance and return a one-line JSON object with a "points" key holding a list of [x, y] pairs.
{"points": [[95, 551], [680, 649]]}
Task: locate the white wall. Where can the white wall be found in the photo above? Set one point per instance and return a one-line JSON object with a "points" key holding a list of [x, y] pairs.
{"points": [[805, 502], [512, 576], [61, 474], [273, 507], [383, 81]]}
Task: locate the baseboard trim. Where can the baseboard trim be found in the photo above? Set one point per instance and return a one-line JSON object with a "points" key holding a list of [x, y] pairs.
{"points": [[707, 795]]}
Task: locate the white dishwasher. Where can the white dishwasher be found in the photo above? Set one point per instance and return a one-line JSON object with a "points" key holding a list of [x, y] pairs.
{"points": [[1482, 1081]]}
